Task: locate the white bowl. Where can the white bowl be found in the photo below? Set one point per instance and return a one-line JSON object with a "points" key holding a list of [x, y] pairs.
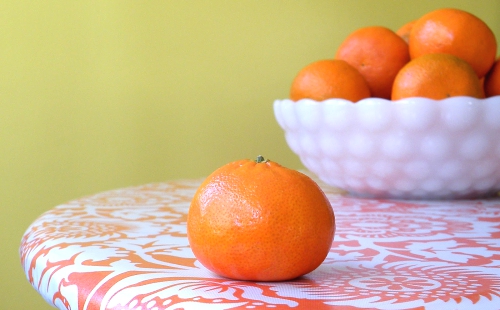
{"points": [[414, 148]]}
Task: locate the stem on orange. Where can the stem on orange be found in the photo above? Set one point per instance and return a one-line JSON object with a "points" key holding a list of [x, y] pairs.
{"points": [[260, 159]]}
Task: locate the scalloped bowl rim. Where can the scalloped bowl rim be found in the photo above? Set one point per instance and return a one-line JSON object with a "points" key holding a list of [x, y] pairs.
{"points": [[400, 101]]}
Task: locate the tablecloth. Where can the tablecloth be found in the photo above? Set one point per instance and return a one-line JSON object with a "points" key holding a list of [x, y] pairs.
{"points": [[127, 249]]}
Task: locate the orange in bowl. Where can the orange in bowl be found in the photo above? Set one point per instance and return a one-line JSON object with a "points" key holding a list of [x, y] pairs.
{"points": [[492, 80], [436, 76], [378, 53], [329, 78], [455, 32]]}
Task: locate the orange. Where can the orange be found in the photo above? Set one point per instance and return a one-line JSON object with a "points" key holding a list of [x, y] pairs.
{"points": [[260, 221], [481, 81], [436, 76], [455, 32], [404, 31], [492, 80], [378, 53], [325, 79]]}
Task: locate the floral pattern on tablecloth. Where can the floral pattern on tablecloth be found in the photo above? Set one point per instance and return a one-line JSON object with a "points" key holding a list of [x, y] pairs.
{"points": [[128, 249]]}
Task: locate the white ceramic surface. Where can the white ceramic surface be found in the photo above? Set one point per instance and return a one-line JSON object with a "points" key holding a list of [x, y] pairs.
{"points": [[414, 148]]}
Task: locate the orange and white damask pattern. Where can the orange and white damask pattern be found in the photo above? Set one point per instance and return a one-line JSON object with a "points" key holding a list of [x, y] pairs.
{"points": [[128, 249]]}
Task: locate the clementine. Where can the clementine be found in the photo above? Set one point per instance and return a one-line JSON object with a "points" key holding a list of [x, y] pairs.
{"points": [[455, 32], [260, 221], [492, 81], [483, 91], [330, 78], [404, 31], [378, 53], [436, 76]]}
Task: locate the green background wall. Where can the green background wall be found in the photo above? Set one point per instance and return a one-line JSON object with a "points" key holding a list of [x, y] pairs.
{"points": [[96, 95]]}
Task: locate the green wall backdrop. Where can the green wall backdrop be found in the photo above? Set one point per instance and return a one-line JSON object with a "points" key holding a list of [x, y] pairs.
{"points": [[96, 95]]}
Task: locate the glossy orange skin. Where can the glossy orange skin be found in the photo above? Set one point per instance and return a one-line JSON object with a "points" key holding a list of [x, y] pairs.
{"points": [[437, 76], [329, 78], [492, 80], [455, 32], [404, 31], [260, 222], [378, 53]]}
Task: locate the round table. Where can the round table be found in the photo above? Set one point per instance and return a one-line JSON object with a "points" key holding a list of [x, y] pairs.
{"points": [[127, 249]]}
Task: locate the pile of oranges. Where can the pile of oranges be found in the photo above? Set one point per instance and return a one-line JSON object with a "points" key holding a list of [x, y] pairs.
{"points": [[444, 53]]}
